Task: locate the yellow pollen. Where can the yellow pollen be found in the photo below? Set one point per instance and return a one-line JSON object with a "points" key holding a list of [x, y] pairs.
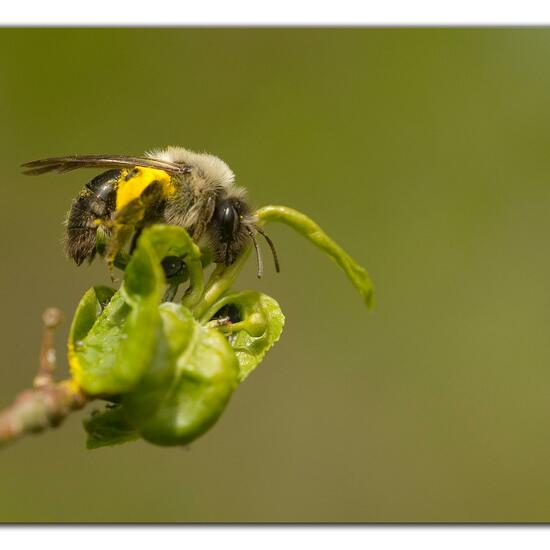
{"points": [[134, 181]]}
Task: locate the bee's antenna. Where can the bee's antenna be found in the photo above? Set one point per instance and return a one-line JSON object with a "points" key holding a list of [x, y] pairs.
{"points": [[258, 255], [272, 246]]}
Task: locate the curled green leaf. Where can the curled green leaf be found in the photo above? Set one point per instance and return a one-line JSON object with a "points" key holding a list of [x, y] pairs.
{"points": [[94, 336], [255, 325], [311, 231], [112, 355], [155, 244], [172, 368], [188, 383], [88, 310], [109, 355]]}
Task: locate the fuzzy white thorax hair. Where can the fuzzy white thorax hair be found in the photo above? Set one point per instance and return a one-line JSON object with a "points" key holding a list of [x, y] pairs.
{"points": [[214, 169]]}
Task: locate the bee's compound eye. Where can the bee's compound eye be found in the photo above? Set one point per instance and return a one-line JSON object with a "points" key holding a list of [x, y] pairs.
{"points": [[227, 218], [172, 265]]}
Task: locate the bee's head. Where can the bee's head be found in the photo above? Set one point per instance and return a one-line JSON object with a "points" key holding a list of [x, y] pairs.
{"points": [[230, 228]]}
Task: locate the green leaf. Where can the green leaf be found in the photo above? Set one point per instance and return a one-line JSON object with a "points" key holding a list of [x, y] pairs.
{"points": [[109, 356], [257, 327], [91, 306], [109, 427], [88, 310], [313, 233], [172, 375], [188, 384], [114, 352], [144, 273], [162, 241]]}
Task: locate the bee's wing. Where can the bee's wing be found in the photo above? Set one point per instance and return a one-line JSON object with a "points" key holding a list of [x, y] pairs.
{"points": [[66, 164]]}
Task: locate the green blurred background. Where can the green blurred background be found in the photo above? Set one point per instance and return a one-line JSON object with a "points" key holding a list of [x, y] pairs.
{"points": [[424, 152]]}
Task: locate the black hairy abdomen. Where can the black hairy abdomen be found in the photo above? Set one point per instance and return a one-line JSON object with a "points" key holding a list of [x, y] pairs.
{"points": [[96, 201]]}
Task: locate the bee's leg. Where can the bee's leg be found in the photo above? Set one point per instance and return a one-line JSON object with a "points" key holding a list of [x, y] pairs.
{"points": [[153, 202], [175, 272], [130, 220], [219, 322], [199, 216], [121, 234], [135, 238], [171, 292], [228, 316], [122, 227]]}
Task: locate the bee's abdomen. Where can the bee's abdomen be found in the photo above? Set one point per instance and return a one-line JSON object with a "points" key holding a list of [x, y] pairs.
{"points": [[94, 204]]}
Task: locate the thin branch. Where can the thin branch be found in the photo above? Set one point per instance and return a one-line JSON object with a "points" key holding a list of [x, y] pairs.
{"points": [[48, 403]]}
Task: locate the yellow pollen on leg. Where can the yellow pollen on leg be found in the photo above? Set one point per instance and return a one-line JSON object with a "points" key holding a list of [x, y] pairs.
{"points": [[133, 182]]}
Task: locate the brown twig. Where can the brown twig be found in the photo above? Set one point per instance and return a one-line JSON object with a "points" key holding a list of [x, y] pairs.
{"points": [[48, 403]]}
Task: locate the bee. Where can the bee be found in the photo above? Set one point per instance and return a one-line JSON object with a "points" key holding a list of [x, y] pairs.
{"points": [[175, 186]]}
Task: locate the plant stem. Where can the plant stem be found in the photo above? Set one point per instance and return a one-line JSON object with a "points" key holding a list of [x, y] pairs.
{"points": [[48, 403], [196, 282], [39, 408], [311, 231], [219, 283]]}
